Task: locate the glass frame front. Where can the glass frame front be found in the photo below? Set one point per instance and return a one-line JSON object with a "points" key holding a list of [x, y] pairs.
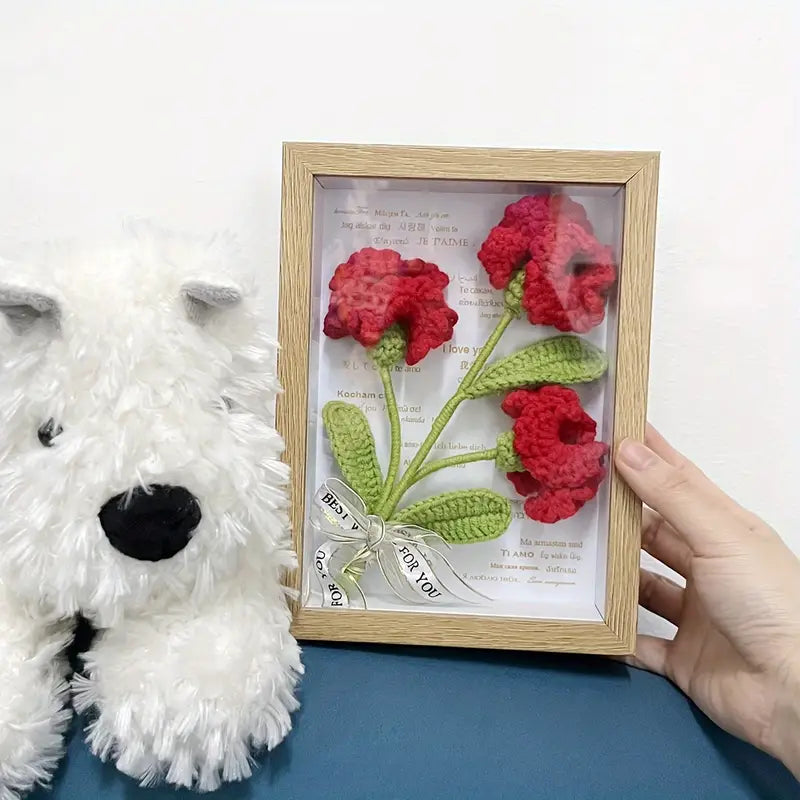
{"points": [[555, 571]]}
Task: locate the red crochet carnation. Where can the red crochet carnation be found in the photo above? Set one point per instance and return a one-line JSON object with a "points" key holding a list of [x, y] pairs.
{"points": [[568, 272], [555, 440], [375, 289]]}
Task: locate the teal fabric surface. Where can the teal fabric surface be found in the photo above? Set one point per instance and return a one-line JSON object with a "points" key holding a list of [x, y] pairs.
{"points": [[418, 724]]}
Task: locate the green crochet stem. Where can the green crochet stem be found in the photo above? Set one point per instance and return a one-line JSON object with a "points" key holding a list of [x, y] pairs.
{"points": [[396, 435], [386, 508], [454, 461]]}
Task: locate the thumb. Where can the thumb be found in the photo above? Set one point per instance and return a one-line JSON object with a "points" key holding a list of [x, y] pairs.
{"points": [[705, 517]]}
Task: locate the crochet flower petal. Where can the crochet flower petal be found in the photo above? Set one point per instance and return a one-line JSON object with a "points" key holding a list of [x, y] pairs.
{"points": [[376, 289], [504, 251], [555, 440], [531, 213], [553, 505], [516, 402], [554, 437], [568, 278], [524, 483], [568, 272]]}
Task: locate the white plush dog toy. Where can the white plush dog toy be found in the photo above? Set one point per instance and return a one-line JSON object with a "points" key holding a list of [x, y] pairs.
{"points": [[141, 487]]}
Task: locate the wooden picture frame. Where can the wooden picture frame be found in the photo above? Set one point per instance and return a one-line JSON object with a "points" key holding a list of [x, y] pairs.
{"points": [[635, 174]]}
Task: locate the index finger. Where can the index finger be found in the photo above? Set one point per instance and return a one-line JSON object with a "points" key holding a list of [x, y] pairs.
{"points": [[707, 519], [659, 445]]}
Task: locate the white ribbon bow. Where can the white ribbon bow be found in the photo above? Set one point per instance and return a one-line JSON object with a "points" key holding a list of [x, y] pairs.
{"points": [[412, 567]]}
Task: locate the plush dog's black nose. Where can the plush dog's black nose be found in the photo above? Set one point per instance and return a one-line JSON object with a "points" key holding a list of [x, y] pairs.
{"points": [[151, 524]]}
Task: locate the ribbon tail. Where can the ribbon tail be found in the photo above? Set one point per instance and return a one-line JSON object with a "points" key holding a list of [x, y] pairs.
{"points": [[453, 573], [422, 534], [337, 586], [423, 546], [393, 576], [361, 594], [419, 572]]}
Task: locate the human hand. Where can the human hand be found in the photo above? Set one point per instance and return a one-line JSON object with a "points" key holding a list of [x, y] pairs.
{"points": [[736, 652]]}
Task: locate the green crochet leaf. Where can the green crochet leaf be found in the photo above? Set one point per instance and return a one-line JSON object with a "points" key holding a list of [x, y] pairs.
{"points": [[354, 449], [462, 517], [561, 359]]}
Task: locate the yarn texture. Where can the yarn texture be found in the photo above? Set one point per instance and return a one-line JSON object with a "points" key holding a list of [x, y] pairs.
{"points": [[545, 258], [141, 368], [555, 441], [568, 272], [374, 289], [561, 359], [391, 347], [505, 456], [461, 517], [354, 449]]}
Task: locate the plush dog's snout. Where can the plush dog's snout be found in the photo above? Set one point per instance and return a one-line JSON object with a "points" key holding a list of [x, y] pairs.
{"points": [[151, 524]]}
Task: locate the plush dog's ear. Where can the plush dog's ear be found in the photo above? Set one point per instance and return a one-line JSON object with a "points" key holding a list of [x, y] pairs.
{"points": [[24, 306], [204, 298]]}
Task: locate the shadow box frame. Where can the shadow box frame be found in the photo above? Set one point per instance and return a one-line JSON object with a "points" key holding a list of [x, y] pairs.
{"points": [[304, 164]]}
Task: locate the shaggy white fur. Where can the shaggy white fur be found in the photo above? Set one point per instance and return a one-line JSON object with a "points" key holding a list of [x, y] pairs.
{"points": [[149, 359]]}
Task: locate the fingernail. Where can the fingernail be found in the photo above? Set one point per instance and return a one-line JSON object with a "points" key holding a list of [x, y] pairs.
{"points": [[635, 455]]}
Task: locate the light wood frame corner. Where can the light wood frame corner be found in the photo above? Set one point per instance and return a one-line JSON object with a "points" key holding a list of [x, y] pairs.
{"points": [[303, 163]]}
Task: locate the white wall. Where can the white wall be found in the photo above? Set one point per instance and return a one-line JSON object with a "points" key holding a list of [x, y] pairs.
{"points": [[176, 109]]}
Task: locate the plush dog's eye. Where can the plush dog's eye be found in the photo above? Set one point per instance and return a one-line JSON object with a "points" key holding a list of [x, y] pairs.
{"points": [[48, 432]]}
